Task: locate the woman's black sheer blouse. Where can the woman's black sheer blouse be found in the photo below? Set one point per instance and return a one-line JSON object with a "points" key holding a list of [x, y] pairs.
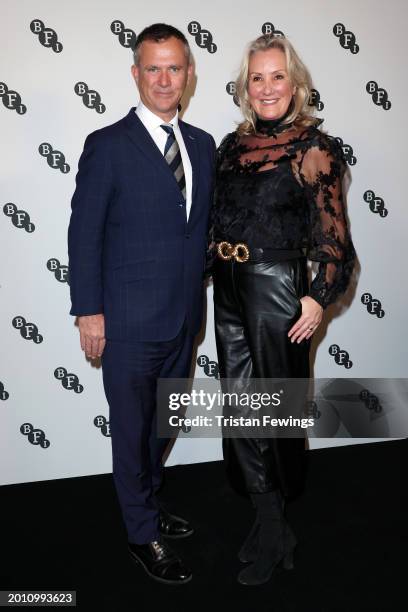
{"points": [[281, 188]]}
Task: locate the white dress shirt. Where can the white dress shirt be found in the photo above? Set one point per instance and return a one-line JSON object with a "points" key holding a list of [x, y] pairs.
{"points": [[152, 124]]}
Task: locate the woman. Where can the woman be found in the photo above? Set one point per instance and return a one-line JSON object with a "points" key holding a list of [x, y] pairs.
{"points": [[278, 196]]}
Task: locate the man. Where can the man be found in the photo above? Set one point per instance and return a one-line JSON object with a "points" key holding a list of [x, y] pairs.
{"points": [[136, 244]]}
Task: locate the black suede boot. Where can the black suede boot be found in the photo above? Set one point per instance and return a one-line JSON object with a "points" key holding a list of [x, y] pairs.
{"points": [[276, 540]]}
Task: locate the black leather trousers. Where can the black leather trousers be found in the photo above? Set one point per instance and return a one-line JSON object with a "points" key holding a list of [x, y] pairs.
{"points": [[255, 305]]}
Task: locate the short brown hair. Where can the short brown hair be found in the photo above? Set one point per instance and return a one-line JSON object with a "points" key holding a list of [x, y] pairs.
{"points": [[158, 32]]}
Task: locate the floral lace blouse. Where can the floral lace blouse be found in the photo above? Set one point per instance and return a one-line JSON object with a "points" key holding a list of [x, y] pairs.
{"points": [[281, 188]]}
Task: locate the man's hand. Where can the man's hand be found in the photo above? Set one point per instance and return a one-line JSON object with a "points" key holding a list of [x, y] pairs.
{"points": [[92, 334], [308, 321]]}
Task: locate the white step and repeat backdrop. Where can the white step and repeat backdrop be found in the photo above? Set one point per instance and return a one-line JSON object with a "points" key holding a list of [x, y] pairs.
{"points": [[53, 412]]}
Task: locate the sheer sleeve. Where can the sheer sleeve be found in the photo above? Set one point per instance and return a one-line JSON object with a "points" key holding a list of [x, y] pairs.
{"points": [[211, 252], [322, 169]]}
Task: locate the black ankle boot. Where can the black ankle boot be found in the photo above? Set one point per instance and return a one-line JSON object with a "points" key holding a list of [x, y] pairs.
{"points": [[276, 540]]}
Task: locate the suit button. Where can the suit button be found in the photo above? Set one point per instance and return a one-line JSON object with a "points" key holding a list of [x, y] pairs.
{"points": [[187, 235]]}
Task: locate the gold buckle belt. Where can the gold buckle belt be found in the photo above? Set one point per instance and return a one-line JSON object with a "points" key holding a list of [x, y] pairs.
{"points": [[227, 251]]}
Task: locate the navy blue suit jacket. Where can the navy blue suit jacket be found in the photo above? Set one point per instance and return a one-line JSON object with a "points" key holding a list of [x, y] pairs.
{"points": [[132, 254]]}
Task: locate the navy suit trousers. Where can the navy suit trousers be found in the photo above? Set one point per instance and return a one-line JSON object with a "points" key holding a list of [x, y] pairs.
{"points": [[130, 373]]}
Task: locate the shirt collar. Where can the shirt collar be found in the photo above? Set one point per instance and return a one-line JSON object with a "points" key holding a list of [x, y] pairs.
{"points": [[152, 121]]}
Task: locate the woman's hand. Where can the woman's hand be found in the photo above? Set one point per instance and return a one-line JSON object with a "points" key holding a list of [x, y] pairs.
{"points": [[308, 321]]}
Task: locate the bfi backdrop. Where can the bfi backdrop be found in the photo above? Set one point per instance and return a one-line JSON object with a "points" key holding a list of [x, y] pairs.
{"points": [[46, 383]]}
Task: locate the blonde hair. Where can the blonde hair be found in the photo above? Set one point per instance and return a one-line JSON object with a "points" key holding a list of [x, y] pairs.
{"points": [[301, 113]]}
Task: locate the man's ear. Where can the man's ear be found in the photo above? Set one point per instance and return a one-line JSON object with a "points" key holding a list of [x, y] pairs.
{"points": [[190, 72], [135, 72]]}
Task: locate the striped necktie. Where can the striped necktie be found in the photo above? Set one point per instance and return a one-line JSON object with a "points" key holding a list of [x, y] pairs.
{"points": [[172, 156]]}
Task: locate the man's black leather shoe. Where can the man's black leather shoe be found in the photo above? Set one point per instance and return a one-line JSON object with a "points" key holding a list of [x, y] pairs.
{"points": [[172, 526], [160, 562]]}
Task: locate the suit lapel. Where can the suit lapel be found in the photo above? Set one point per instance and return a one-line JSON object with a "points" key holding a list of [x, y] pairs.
{"points": [[140, 137]]}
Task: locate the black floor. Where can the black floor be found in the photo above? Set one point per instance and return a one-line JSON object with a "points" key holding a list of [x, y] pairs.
{"points": [[351, 523]]}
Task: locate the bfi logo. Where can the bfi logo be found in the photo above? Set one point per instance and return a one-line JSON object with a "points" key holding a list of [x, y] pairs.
{"points": [[12, 99], [269, 29], [90, 97], [35, 436], [4, 395], [28, 331], [346, 38], [103, 425], [375, 203], [126, 37], [373, 305], [231, 90], [60, 271], [370, 401], [69, 381], [351, 159], [19, 218], [314, 100], [341, 357], [202, 37], [47, 36], [210, 367], [378, 95], [55, 159]]}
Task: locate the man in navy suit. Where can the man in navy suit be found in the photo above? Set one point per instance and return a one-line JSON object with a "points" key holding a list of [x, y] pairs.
{"points": [[136, 242]]}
